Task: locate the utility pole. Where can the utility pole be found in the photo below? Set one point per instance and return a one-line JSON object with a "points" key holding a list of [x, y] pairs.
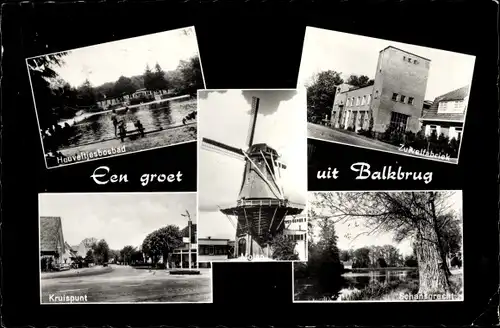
{"points": [[189, 230]]}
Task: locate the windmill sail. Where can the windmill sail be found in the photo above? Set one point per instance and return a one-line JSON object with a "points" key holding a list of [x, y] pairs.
{"points": [[253, 120]]}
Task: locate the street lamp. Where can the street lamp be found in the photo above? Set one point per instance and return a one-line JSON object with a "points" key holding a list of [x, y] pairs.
{"points": [[189, 230]]}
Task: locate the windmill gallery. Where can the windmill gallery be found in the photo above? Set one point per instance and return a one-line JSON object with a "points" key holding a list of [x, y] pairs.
{"points": [[261, 206]]}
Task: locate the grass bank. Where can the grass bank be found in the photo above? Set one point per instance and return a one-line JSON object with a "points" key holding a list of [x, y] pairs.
{"points": [[395, 290], [76, 273], [163, 138]]}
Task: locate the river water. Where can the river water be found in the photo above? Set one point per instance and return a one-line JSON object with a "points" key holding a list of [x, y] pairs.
{"points": [[153, 117]]}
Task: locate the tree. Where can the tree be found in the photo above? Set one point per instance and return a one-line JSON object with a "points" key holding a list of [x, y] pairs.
{"points": [[345, 256], [161, 243], [123, 86], [149, 78], [392, 256], [360, 81], [361, 258], [42, 73], [101, 252], [192, 77], [160, 81], [283, 248], [412, 215], [321, 94], [126, 254], [89, 257], [87, 94]]}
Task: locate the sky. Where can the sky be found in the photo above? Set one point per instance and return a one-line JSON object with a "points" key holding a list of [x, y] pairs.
{"points": [[346, 242], [120, 218], [106, 62], [353, 54], [224, 116]]}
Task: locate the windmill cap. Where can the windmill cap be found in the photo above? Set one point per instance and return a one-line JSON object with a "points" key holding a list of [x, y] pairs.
{"points": [[265, 148]]}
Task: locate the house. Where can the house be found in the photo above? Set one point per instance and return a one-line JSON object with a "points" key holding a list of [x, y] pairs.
{"points": [[394, 101], [125, 98], [296, 229], [149, 93], [446, 115], [347, 265], [52, 245], [214, 249]]}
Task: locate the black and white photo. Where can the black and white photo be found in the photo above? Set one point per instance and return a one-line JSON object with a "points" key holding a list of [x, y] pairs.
{"points": [[384, 95], [390, 246], [252, 185], [120, 248], [118, 97]]}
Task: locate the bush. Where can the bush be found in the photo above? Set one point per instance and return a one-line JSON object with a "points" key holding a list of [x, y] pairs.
{"points": [[365, 133], [141, 99]]}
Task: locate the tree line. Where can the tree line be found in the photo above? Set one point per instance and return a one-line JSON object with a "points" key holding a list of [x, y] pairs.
{"points": [[56, 99], [377, 257]]}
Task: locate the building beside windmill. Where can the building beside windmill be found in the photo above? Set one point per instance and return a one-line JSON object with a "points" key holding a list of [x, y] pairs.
{"points": [[395, 100], [52, 245], [296, 230]]}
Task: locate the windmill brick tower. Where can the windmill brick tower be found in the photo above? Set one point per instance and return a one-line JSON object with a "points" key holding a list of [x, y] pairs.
{"points": [[261, 206]]}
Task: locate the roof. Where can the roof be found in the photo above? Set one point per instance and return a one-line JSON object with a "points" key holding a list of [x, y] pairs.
{"points": [[356, 88], [410, 53], [49, 233], [432, 112]]}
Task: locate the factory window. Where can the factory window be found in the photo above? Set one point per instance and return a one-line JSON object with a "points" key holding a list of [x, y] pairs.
{"points": [[415, 62], [409, 59], [404, 57], [402, 98], [395, 96], [410, 100], [398, 122]]}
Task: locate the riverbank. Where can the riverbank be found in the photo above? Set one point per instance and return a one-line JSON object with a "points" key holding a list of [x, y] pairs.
{"points": [[398, 289], [85, 115], [162, 138]]}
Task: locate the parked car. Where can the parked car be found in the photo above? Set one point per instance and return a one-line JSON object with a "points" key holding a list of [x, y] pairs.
{"points": [[62, 267], [105, 264]]}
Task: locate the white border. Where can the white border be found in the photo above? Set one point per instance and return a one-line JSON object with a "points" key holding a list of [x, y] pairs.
{"points": [[96, 45], [304, 90], [388, 301], [119, 193], [451, 161]]}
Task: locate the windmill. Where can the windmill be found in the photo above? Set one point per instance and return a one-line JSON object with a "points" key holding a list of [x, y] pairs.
{"points": [[261, 206]]}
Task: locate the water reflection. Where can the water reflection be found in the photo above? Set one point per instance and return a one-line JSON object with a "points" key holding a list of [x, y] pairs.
{"points": [[334, 287], [153, 117], [360, 280]]}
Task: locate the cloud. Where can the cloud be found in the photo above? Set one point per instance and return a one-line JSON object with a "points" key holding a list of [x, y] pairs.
{"points": [[272, 100], [120, 219], [203, 94]]}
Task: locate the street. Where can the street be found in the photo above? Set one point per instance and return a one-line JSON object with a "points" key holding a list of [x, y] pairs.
{"points": [[328, 134], [127, 284]]}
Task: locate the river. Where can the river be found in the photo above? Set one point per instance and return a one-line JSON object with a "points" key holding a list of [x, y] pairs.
{"points": [[96, 127]]}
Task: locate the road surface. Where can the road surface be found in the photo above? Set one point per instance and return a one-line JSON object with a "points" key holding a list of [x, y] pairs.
{"points": [[328, 134], [127, 284]]}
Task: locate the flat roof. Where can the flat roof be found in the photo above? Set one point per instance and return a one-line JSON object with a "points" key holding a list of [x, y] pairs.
{"points": [[404, 51]]}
